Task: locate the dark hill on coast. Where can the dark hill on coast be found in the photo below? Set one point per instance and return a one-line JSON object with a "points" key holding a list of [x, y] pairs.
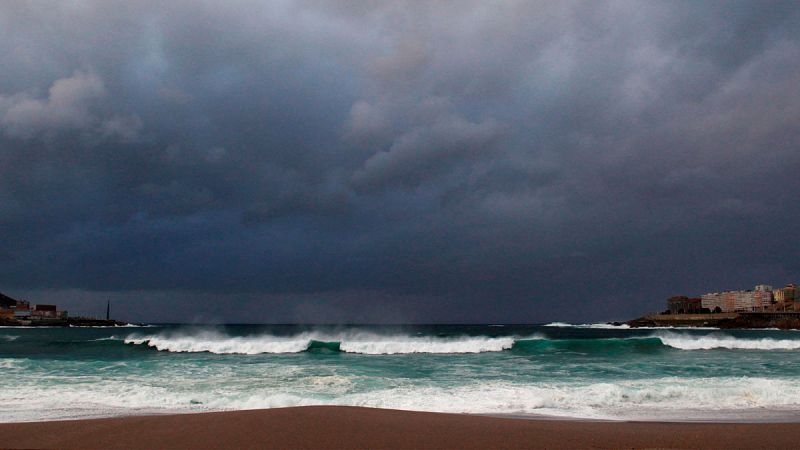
{"points": [[6, 301]]}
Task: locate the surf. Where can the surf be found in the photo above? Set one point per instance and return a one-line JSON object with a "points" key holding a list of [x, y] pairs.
{"points": [[720, 341], [596, 326], [399, 344], [360, 343]]}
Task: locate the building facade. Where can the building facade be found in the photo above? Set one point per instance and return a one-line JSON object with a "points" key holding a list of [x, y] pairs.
{"points": [[785, 294], [20, 310], [759, 299], [684, 305]]}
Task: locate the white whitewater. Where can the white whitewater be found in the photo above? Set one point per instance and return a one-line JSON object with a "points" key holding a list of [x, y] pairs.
{"points": [[222, 344], [657, 399], [598, 326], [717, 341], [406, 345], [364, 343]]}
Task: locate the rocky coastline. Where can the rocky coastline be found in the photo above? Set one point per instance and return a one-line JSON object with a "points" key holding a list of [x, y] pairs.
{"points": [[743, 320], [68, 322]]}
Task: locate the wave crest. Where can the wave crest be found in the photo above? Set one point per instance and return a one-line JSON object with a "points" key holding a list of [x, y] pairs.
{"points": [[222, 344], [378, 344], [599, 326], [710, 342], [405, 345], [368, 344]]}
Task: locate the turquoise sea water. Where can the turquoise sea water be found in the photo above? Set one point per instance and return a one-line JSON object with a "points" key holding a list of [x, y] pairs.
{"points": [[590, 371]]}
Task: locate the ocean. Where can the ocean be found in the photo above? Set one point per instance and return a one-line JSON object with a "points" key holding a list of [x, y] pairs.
{"points": [[556, 370]]}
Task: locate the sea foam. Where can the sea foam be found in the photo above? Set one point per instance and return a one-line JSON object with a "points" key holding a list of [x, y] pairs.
{"points": [[378, 344], [221, 344], [709, 342], [601, 326], [674, 398], [363, 343], [403, 345]]}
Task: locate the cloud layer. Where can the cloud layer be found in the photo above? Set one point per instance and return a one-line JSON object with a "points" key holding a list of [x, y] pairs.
{"points": [[519, 161]]}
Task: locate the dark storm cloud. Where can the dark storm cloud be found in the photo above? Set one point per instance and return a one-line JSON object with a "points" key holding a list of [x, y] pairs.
{"points": [[446, 161]]}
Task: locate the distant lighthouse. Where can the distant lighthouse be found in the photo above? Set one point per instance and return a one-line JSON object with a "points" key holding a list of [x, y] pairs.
{"points": [[108, 310]]}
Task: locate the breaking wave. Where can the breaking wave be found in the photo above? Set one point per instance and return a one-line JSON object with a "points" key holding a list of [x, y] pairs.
{"points": [[710, 342], [368, 344], [602, 326], [377, 344], [221, 344]]}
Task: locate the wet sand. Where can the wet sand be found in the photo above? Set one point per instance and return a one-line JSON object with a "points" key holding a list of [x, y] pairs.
{"points": [[329, 427]]}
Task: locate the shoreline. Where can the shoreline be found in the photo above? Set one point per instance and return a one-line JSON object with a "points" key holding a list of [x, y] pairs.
{"points": [[728, 416], [356, 427]]}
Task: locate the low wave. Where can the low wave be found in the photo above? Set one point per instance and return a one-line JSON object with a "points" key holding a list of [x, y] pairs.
{"points": [[368, 344], [710, 342], [598, 326], [624, 326], [108, 338], [10, 363]]}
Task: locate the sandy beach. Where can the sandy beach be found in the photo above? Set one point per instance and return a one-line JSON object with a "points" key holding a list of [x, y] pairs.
{"points": [[348, 427]]}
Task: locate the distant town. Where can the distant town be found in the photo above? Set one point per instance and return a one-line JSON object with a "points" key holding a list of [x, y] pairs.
{"points": [[760, 307], [15, 312], [762, 298]]}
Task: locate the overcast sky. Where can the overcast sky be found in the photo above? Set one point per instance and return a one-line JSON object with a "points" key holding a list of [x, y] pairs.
{"points": [[305, 161]]}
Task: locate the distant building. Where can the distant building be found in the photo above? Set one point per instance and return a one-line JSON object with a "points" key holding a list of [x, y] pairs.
{"points": [[7, 307], [11, 309], [684, 305], [43, 308], [762, 299], [47, 312], [756, 300], [785, 296]]}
